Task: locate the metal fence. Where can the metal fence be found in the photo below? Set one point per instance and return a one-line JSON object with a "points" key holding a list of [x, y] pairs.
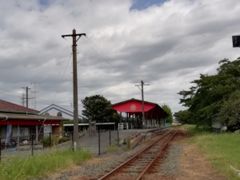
{"points": [[27, 145], [96, 142]]}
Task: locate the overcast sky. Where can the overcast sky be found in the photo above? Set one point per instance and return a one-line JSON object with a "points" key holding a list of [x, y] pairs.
{"points": [[164, 43]]}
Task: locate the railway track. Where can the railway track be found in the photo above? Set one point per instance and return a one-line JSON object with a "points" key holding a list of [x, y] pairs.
{"points": [[143, 162]]}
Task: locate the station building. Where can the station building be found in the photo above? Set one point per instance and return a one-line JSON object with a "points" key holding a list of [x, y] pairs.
{"points": [[132, 110], [18, 122]]}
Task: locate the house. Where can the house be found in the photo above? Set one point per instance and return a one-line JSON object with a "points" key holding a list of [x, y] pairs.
{"points": [[66, 115], [18, 123]]}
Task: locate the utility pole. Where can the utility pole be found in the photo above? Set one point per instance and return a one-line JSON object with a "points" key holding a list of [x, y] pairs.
{"points": [[26, 95], [23, 99], [142, 92], [142, 84], [75, 38], [27, 88]]}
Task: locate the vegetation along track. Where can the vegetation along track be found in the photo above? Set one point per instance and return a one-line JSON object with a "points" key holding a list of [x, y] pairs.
{"points": [[144, 161]]}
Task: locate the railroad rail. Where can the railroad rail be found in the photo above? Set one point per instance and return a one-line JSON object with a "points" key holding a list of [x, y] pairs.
{"points": [[144, 161]]}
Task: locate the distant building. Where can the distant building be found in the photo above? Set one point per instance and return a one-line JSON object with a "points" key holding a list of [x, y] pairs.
{"points": [[57, 110], [19, 123], [66, 115]]}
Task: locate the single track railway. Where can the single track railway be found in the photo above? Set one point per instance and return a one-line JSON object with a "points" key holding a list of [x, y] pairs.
{"points": [[144, 161]]}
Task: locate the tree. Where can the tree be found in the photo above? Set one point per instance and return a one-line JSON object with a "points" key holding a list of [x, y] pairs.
{"points": [[98, 109], [167, 109], [184, 116], [229, 113], [209, 97]]}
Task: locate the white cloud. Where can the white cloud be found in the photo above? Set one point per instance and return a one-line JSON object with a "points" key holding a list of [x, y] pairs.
{"points": [[167, 45]]}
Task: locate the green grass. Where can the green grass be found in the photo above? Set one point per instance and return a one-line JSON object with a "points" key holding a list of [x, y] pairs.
{"points": [[112, 148], [19, 168], [222, 149]]}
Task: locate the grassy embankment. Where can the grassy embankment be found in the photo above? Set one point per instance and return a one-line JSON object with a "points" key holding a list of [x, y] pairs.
{"points": [[222, 149], [19, 168]]}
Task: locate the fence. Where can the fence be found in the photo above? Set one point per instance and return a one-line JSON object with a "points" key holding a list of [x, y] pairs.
{"points": [[29, 145], [96, 142]]}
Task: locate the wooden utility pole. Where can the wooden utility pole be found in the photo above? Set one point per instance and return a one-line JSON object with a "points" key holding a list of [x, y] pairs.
{"points": [[75, 38]]}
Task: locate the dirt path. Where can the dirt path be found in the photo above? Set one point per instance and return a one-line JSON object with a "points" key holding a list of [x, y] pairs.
{"points": [[195, 166]]}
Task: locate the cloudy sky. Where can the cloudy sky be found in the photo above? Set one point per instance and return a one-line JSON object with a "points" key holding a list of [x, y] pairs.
{"points": [[164, 43]]}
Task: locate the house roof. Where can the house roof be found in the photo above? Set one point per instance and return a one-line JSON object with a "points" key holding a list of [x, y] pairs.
{"points": [[6, 106], [58, 108], [15, 114]]}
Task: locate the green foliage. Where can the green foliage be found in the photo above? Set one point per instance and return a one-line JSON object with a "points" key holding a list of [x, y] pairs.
{"points": [[167, 109], [98, 108], [46, 142], [184, 116], [63, 139], [194, 130], [20, 168], [230, 111], [209, 99]]}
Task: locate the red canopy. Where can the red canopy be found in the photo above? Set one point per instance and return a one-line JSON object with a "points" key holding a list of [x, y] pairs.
{"points": [[134, 106]]}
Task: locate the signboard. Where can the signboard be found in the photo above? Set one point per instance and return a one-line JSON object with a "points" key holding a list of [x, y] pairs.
{"points": [[236, 41]]}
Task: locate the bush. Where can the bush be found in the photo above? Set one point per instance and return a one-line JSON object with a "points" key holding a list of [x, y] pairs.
{"points": [[46, 142], [63, 139]]}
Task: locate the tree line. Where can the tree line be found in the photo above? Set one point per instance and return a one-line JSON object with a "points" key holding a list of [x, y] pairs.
{"points": [[214, 98]]}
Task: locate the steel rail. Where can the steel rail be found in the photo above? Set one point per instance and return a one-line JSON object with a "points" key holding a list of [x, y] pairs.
{"points": [[161, 152], [124, 164]]}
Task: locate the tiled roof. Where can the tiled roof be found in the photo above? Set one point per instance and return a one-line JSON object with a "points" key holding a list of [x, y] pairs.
{"points": [[6, 106]]}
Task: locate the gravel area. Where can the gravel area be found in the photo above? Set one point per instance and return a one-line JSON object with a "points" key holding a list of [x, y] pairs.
{"points": [[170, 166]]}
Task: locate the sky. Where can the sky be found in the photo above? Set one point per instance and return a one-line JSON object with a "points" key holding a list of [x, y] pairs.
{"points": [[167, 44]]}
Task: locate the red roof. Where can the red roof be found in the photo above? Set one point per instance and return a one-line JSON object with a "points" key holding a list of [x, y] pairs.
{"points": [[6, 106], [134, 106], [14, 114]]}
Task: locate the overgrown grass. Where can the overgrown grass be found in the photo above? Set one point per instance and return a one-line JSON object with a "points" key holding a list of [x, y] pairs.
{"points": [[112, 148], [222, 149], [19, 168]]}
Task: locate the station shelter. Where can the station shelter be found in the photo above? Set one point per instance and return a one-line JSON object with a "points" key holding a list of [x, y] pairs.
{"points": [[133, 110]]}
